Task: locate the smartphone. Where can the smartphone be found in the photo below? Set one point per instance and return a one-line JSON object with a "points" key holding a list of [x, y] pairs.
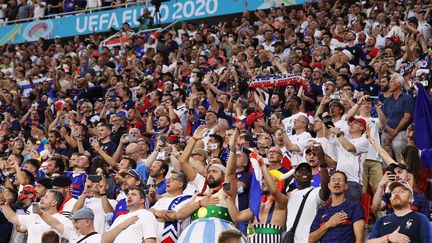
{"points": [[328, 122], [168, 150], [425, 83], [227, 186], [94, 178]]}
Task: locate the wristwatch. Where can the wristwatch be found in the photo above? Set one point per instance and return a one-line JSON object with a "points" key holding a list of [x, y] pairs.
{"points": [[339, 134]]}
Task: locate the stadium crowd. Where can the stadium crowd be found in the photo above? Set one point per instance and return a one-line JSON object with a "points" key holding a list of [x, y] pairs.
{"points": [[293, 124]]}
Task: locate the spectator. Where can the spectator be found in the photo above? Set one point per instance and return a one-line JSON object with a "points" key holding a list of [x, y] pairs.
{"points": [[39, 7], [54, 7], [303, 176], [50, 203], [351, 156], [138, 220], [83, 226], [24, 10], [342, 220], [404, 224], [398, 109], [12, 10]]}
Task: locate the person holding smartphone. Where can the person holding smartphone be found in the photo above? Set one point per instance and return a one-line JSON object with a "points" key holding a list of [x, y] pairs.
{"points": [[33, 223]]}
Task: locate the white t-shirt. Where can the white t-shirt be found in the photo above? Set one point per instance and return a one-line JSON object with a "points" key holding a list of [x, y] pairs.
{"points": [[308, 213], [350, 163], [164, 204], [144, 228], [73, 236], [342, 124], [300, 140], [36, 226], [100, 222], [328, 148], [289, 122], [68, 207], [373, 124]]}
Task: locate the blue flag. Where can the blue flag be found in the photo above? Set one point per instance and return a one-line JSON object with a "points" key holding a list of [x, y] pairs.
{"points": [[423, 119]]}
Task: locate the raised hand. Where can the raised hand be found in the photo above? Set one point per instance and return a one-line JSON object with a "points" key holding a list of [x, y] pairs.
{"points": [[233, 140], [200, 132]]}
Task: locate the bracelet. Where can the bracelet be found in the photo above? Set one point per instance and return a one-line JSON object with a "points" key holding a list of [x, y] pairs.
{"points": [[199, 204], [339, 134], [194, 138], [103, 194]]}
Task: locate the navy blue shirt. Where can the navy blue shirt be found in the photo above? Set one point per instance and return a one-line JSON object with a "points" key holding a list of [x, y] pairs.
{"points": [[109, 147], [414, 225], [344, 232], [243, 194], [395, 109]]}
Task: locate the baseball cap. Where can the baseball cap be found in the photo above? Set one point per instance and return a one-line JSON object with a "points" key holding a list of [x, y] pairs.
{"points": [[303, 164], [253, 117], [46, 182], [359, 120], [27, 191], [132, 173], [61, 181], [200, 151], [393, 166], [402, 183], [83, 213]]}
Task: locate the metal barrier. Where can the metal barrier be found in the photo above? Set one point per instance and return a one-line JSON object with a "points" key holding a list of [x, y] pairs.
{"points": [[84, 11]]}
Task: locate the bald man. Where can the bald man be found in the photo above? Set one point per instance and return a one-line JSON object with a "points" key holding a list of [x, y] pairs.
{"points": [[133, 152]]}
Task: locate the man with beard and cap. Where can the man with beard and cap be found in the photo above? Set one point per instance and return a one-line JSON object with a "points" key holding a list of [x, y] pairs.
{"points": [[382, 196], [316, 196], [50, 203], [63, 184], [212, 207], [340, 221], [403, 225]]}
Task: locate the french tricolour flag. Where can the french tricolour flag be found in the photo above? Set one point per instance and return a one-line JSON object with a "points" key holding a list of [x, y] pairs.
{"points": [[423, 134], [255, 192]]}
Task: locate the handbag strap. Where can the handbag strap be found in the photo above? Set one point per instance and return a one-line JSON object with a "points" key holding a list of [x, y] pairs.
{"points": [[297, 219], [87, 236]]}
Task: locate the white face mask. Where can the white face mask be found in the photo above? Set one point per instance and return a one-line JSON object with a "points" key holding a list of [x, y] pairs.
{"points": [[212, 146], [231, 39]]}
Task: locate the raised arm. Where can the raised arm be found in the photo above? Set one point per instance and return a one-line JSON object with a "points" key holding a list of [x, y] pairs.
{"points": [[280, 198], [9, 214], [184, 158], [324, 175], [230, 175], [50, 220]]}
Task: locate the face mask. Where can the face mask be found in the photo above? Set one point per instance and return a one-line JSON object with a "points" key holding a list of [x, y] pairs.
{"points": [[212, 146], [139, 96], [231, 39]]}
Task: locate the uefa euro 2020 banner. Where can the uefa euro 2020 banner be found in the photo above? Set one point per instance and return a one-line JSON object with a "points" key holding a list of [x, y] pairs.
{"points": [[174, 10]]}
